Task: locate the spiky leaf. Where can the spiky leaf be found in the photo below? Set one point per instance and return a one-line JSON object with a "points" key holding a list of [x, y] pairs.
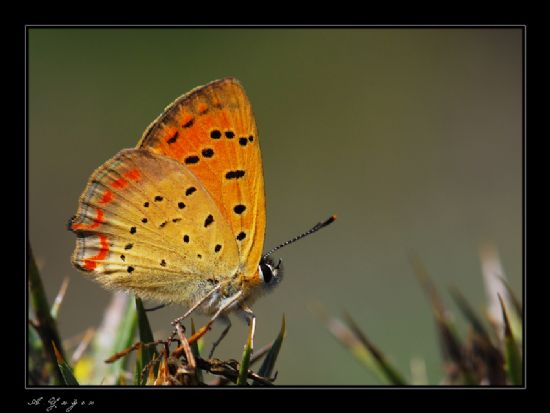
{"points": [[390, 372], [512, 355], [47, 328], [145, 334], [269, 362], [66, 371], [245, 360]]}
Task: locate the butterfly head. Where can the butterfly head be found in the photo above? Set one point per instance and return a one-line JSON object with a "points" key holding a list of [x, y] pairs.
{"points": [[270, 273]]}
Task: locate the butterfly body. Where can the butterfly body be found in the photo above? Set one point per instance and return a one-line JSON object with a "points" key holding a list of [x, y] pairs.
{"points": [[182, 215]]}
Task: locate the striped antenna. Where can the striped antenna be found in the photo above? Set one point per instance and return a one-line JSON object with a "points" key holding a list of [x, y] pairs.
{"points": [[315, 228]]}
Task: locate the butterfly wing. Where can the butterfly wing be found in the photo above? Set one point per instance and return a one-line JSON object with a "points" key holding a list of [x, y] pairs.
{"points": [[146, 224], [212, 131]]}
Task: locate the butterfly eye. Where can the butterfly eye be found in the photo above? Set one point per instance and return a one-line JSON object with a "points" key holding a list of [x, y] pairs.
{"points": [[270, 273], [266, 272]]}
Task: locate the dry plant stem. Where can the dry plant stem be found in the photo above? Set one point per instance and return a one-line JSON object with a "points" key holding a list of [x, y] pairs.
{"points": [[230, 371], [83, 345], [221, 337], [59, 297], [220, 381], [133, 347], [252, 319], [185, 344], [148, 367]]}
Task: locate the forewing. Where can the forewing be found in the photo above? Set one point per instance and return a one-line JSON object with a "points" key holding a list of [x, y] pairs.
{"points": [[212, 131]]}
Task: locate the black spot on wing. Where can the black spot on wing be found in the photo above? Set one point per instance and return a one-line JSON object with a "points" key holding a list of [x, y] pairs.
{"points": [[191, 159], [209, 219], [173, 138], [239, 209], [208, 153], [239, 173]]}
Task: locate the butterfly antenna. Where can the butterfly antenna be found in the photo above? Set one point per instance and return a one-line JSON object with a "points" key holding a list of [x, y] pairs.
{"points": [[315, 228]]}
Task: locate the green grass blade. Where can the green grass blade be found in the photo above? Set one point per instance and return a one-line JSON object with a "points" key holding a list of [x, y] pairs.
{"points": [[514, 317], [145, 335], [126, 334], [269, 362], [66, 371], [37, 358], [112, 334], [145, 331], [245, 361], [390, 372], [196, 352], [346, 338], [512, 355], [47, 326], [139, 367], [195, 346]]}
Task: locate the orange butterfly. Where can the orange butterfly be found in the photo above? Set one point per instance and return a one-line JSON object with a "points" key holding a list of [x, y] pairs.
{"points": [[181, 218]]}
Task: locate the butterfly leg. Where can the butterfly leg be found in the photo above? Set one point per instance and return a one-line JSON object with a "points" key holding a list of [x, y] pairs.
{"points": [[228, 303], [158, 307], [193, 308], [197, 304], [225, 319]]}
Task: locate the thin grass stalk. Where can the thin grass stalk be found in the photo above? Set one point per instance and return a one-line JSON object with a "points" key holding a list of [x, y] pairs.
{"points": [[47, 327]]}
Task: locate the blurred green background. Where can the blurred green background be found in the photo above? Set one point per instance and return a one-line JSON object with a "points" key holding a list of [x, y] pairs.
{"points": [[413, 137]]}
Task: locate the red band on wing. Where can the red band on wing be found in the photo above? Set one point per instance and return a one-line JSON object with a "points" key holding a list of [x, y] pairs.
{"points": [[119, 183], [90, 263], [107, 197], [133, 175], [98, 220]]}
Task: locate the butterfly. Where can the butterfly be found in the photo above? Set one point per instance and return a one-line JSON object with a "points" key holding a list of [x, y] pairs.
{"points": [[181, 218]]}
